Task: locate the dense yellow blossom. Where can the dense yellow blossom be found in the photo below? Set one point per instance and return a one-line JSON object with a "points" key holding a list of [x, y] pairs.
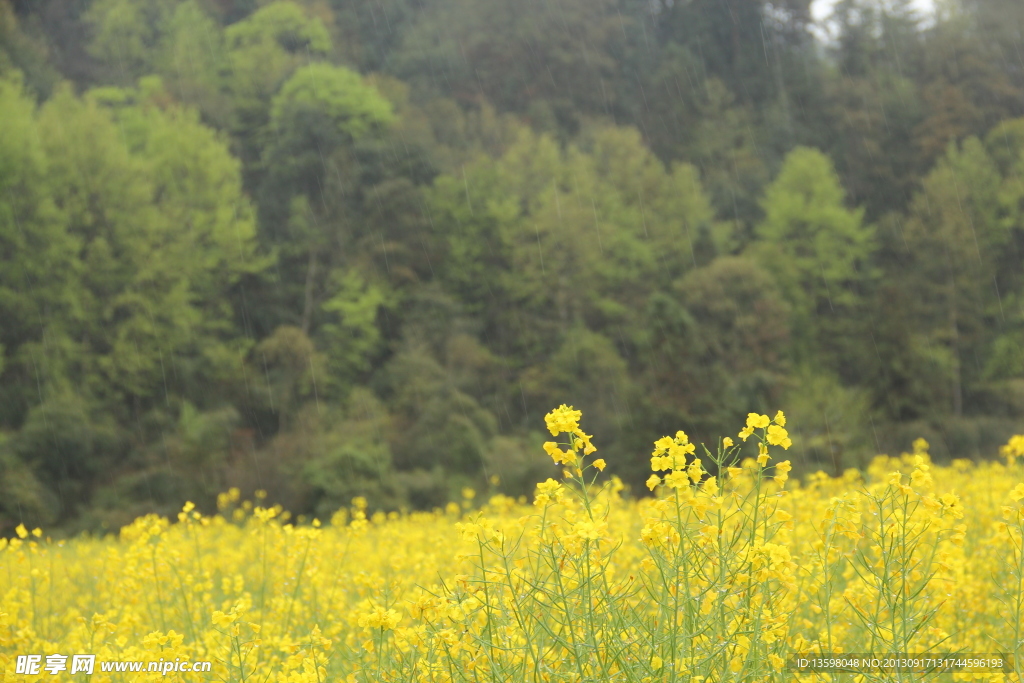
{"points": [[722, 576], [563, 420]]}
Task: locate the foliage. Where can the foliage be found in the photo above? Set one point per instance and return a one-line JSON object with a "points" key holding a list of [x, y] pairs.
{"points": [[235, 215]]}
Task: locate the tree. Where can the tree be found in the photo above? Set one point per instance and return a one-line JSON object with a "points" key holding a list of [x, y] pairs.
{"points": [[818, 250], [545, 240], [563, 56], [955, 237], [138, 210], [191, 58], [734, 167], [350, 333], [715, 348], [24, 53], [39, 263], [262, 51], [156, 199], [317, 117], [127, 35]]}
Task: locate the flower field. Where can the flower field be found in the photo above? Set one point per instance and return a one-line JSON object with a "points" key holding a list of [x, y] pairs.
{"points": [[725, 574]]}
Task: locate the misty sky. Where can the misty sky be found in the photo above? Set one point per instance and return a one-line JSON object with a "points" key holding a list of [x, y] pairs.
{"points": [[821, 8]]}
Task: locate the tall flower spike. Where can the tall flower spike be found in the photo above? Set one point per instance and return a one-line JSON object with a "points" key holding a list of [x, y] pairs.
{"points": [[563, 419]]}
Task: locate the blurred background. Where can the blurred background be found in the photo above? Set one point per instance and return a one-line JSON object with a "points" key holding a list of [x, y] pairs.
{"points": [[328, 248]]}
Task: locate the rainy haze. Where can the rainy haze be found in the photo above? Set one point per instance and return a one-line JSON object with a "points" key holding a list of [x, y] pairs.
{"points": [[328, 249]]}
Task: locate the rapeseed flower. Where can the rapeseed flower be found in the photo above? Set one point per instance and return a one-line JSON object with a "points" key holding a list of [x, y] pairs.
{"points": [[563, 420], [755, 421], [1017, 493], [379, 617], [715, 577]]}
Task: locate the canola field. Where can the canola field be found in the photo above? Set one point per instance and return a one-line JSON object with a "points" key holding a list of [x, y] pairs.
{"points": [[729, 572]]}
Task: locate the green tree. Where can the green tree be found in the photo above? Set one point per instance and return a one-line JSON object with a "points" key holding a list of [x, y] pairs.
{"points": [[127, 35], [140, 209], [22, 52], [262, 51], [350, 333], [955, 236], [318, 115], [192, 60], [542, 239], [39, 258], [156, 199], [733, 166], [564, 58], [819, 252], [714, 347], [971, 79]]}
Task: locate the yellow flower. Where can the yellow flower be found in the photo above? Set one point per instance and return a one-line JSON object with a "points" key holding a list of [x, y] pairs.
{"points": [[600, 464], [1013, 449], [546, 490], [557, 454], [21, 531], [951, 505], [755, 421], [1017, 493], [549, 486], [678, 452], [746, 432], [662, 445], [653, 481], [590, 530], [695, 471], [777, 662], [584, 441], [563, 419], [782, 472], [222, 619], [656, 662], [921, 479], [154, 640], [385, 619], [727, 442], [675, 480], [780, 419], [776, 435]]}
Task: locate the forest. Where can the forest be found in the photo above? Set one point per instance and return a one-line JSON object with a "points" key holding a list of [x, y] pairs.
{"points": [[320, 249]]}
